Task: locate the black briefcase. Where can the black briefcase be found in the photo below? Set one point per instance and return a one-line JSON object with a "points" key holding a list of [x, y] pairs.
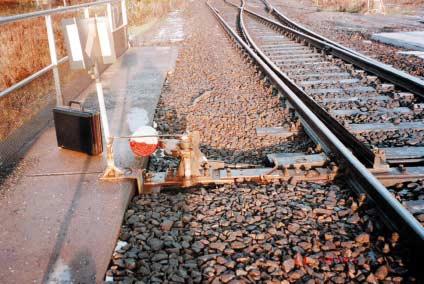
{"points": [[78, 129]]}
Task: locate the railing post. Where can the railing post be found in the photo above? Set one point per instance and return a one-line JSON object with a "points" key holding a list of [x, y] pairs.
{"points": [[53, 58], [110, 16], [124, 13], [86, 13], [125, 20]]}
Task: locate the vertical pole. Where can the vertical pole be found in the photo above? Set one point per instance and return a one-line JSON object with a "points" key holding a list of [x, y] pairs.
{"points": [[86, 13], [124, 13], [125, 20], [53, 58], [64, 3], [101, 98], [111, 170], [110, 16]]}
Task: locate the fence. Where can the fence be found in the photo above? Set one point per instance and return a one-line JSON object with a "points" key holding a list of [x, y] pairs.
{"points": [[116, 12], [115, 17]]}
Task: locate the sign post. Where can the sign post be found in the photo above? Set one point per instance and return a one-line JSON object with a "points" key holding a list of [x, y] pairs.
{"points": [[90, 41]]}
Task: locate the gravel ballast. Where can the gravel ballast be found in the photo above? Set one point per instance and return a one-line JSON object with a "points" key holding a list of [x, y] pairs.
{"points": [[244, 233]]}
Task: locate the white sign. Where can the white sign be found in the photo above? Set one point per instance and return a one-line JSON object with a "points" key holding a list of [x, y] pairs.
{"points": [[88, 40], [74, 45], [105, 37]]}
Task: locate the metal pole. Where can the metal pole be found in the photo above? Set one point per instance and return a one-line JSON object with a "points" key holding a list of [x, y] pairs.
{"points": [[124, 13], [86, 13], [100, 96], [110, 16], [111, 171], [53, 58], [125, 20]]}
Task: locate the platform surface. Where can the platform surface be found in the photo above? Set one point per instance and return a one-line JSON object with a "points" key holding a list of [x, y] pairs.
{"points": [[59, 222], [409, 40]]}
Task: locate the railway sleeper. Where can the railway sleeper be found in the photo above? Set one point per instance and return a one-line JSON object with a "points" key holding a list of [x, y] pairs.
{"points": [[403, 155], [415, 206], [341, 82], [302, 60], [286, 51], [364, 100], [342, 85], [378, 112], [304, 65], [317, 76], [364, 105], [395, 175], [356, 97], [284, 132], [283, 47], [306, 71], [272, 36], [387, 126], [350, 90], [282, 57]]}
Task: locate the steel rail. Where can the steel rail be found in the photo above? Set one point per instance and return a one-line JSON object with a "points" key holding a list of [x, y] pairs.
{"points": [[400, 218], [292, 24], [390, 74], [268, 6], [20, 17]]}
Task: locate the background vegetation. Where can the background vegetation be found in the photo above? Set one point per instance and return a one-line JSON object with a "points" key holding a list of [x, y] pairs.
{"points": [[24, 50], [356, 6]]}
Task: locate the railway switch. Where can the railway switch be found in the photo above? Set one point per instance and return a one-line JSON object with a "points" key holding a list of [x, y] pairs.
{"points": [[195, 169]]}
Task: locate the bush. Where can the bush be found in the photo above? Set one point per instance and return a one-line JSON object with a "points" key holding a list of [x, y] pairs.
{"points": [[141, 11], [24, 50], [350, 6]]}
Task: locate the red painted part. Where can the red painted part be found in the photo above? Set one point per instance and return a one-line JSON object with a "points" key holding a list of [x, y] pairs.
{"points": [[143, 149]]}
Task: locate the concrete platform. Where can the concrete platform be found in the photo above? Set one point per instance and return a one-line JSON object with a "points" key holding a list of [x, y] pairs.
{"points": [[59, 222], [409, 40]]}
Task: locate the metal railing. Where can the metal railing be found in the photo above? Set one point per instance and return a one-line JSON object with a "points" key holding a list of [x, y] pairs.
{"points": [[112, 15]]}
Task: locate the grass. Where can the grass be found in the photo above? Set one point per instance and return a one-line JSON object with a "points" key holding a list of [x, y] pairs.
{"points": [[24, 50], [142, 11], [351, 6]]}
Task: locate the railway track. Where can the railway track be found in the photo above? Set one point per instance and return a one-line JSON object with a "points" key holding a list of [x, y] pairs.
{"points": [[361, 108], [379, 121], [377, 113], [306, 226]]}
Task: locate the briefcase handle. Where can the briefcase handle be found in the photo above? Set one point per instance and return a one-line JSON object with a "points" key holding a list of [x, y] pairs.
{"points": [[78, 103]]}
